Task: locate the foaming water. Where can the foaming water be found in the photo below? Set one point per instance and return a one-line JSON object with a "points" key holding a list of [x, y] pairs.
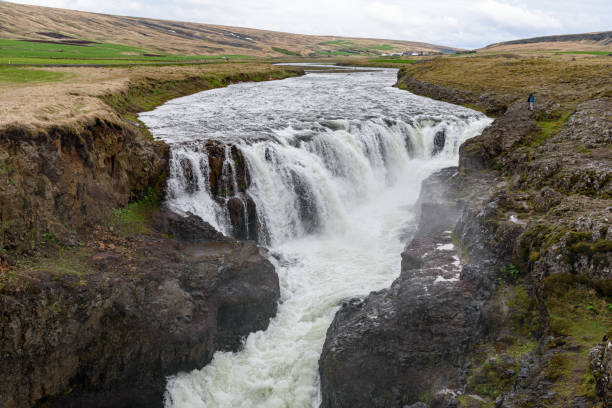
{"points": [[334, 162]]}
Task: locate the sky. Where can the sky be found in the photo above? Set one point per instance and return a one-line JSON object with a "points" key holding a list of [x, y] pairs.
{"points": [[459, 23]]}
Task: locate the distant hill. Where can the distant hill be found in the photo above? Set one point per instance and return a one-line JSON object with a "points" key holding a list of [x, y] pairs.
{"points": [[601, 41], [51, 25]]}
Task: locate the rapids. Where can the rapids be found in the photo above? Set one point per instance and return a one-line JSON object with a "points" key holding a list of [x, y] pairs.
{"points": [[332, 164]]}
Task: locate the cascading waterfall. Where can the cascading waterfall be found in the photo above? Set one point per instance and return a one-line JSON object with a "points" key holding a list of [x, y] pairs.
{"points": [[322, 169], [304, 182]]}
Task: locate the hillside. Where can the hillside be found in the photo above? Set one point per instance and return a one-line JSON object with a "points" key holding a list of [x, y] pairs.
{"points": [[601, 41], [161, 37]]}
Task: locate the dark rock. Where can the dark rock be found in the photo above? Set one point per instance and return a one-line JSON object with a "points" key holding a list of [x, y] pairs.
{"points": [[110, 339], [504, 133], [243, 217], [188, 176], [439, 141], [189, 228]]}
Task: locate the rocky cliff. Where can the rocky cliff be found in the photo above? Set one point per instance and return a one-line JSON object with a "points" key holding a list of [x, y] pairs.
{"points": [[108, 334], [63, 178], [504, 292]]}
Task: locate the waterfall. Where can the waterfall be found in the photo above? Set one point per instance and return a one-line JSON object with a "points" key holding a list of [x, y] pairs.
{"points": [[303, 181], [323, 169]]}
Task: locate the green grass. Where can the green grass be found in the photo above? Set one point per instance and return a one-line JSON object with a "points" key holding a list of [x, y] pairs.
{"points": [[135, 218], [20, 75], [585, 52], [67, 261], [34, 53], [392, 60], [343, 43], [549, 128], [330, 53], [349, 47], [381, 47], [286, 52]]}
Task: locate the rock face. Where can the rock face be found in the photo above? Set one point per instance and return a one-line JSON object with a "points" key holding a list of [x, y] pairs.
{"points": [[229, 179], [190, 228], [58, 179], [601, 366], [109, 338]]}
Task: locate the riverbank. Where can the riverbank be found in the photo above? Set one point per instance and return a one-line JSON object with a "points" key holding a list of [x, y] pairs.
{"points": [[530, 218], [102, 292]]}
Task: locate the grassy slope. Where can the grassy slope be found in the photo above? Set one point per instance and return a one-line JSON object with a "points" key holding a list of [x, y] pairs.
{"points": [[17, 52], [181, 38]]}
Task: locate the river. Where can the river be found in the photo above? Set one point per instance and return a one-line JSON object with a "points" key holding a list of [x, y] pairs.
{"points": [[335, 162]]}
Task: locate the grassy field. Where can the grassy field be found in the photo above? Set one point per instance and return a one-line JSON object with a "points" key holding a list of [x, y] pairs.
{"points": [[393, 60], [20, 75], [585, 52], [513, 76], [40, 53]]}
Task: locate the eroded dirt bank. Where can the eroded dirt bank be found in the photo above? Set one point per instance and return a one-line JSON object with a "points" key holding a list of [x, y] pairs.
{"points": [[525, 319], [102, 292]]}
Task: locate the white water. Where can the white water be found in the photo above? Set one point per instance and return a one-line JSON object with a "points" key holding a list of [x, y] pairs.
{"points": [[357, 150]]}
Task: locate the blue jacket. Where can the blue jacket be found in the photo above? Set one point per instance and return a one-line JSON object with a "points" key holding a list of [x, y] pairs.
{"points": [[531, 98]]}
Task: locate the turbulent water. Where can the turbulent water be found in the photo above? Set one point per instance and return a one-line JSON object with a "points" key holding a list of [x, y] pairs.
{"points": [[334, 162]]}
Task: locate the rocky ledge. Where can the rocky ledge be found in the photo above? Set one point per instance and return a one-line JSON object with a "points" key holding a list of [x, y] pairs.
{"points": [[152, 307]]}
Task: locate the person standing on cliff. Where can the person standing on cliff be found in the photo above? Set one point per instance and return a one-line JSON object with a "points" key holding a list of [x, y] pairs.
{"points": [[531, 101]]}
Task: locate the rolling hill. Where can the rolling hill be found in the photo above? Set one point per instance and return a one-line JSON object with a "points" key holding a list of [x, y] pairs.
{"points": [[159, 38], [600, 41]]}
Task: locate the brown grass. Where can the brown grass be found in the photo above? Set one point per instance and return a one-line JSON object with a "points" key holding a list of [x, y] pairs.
{"points": [[513, 76], [77, 97]]}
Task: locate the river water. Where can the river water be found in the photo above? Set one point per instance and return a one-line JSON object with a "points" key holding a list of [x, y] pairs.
{"points": [[335, 162]]}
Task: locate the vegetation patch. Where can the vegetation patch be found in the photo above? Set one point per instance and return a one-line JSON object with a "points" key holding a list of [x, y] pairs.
{"points": [[549, 128], [58, 262], [393, 60], [286, 52], [56, 53], [579, 315], [135, 219], [21, 75], [584, 52], [514, 331]]}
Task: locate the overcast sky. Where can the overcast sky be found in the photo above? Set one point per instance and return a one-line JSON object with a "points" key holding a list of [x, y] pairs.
{"points": [[459, 23]]}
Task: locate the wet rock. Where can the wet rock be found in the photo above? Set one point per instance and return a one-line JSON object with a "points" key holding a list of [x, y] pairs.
{"points": [[227, 170], [188, 176], [243, 217], [238, 217], [438, 142], [189, 228]]}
